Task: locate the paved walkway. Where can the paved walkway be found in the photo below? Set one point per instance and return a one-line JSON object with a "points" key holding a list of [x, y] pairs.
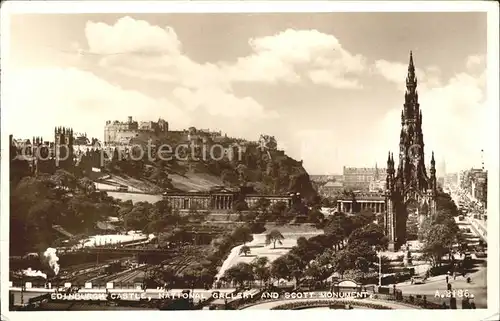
{"points": [[118, 290], [273, 304]]}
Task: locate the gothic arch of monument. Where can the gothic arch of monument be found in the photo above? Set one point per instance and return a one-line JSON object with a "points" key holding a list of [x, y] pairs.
{"points": [[410, 191]]}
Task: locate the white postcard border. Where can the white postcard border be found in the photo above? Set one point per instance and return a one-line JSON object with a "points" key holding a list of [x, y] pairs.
{"points": [[492, 153]]}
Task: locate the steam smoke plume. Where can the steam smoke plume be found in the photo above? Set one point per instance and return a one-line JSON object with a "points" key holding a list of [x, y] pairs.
{"points": [[52, 259], [34, 273]]}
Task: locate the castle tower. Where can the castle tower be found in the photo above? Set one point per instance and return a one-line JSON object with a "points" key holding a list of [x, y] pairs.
{"points": [[63, 148], [410, 194]]}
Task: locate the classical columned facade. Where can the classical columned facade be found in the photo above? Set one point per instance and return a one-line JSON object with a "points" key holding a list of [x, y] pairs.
{"points": [[251, 200], [189, 201], [377, 206], [220, 201]]}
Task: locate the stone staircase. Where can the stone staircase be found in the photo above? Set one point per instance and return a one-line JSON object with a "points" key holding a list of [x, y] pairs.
{"points": [[62, 230]]}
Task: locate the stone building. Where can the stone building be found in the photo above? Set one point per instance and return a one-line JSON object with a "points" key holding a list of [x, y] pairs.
{"points": [[121, 133], [331, 189], [66, 151], [220, 199], [377, 185], [267, 142], [357, 202], [63, 148], [475, 183], [410, 191], [359, 178]]}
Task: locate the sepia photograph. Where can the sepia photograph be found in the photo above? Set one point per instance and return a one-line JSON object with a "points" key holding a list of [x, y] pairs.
{"points": [[196, 158]]}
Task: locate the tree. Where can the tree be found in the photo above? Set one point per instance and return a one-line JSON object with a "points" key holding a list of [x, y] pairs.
{"points": [[273, 237], [240, 273], [262, 204], [278, 209], [318, 272], [245, 250], [306, 250], [372, 234], [86, 185], [297, 266], [362, 265], [160, 177], [280, 268], [179, 235], [242, 234], [240, 206], [261, 268], [242, 171], [337, 229], [439, 242], [363, 218], [315, 216], [230, 177], [263, 273], [340, 262], [64, 179]]}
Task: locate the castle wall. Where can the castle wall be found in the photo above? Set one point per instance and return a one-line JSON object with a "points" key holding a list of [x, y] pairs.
{"points": [[122, 132]]}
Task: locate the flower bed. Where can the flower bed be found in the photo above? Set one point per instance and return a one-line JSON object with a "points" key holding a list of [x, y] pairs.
{"points": [[325, 303]]}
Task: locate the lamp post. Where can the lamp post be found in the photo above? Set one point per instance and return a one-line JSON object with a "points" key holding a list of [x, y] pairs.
{"points": [[379, 268], [22, 289]]}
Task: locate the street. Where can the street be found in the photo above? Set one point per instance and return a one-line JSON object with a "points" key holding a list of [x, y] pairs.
{"points": [[476, 289]]}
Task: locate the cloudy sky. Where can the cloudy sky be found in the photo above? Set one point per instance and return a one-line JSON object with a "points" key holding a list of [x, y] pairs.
{"points": [[329, 86]]}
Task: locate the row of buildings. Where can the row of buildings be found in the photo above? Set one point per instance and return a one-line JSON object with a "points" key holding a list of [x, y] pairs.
{"points": [[66, 151], [364, 179], [475, 183], [360, 179], [224, 199], [69, 149], [404, 192], [131, 131]]}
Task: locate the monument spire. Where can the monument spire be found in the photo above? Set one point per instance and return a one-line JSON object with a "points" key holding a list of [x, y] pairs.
{"points": [[411, 182]]}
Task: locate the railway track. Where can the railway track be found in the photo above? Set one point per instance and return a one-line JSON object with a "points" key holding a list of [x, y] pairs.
{"points": [[180, 259], [91, 270]]}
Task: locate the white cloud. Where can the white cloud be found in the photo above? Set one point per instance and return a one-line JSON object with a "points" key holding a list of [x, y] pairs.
{"points": [[218, 102], [324, 77], [396, 72], [288, 56], [475, 61], [129, 35], [455, 119], [156, 54], [46, 96]]}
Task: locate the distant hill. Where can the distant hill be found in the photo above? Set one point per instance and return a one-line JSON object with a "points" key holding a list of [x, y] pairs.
{"points": [[269, 171], [326, 178]]}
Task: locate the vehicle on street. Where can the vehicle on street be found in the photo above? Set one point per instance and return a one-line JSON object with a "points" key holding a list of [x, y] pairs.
{"points": [[480, 254], [417, 280]]}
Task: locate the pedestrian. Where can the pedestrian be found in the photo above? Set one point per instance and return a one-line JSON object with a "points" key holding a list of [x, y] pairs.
{"points": [[447, 279], [454, 275]]}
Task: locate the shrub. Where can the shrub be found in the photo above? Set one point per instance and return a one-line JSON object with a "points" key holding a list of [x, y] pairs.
{"points": [[322, 303]]}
